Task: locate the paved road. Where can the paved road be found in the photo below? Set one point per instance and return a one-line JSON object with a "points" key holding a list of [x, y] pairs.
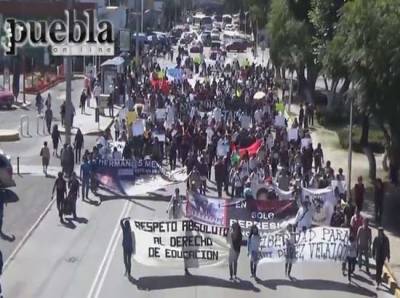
{"points": [[83, 258]]}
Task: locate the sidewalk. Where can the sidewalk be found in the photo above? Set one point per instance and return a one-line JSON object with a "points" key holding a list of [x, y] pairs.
{"points": [[86, 121], [360, 167]]}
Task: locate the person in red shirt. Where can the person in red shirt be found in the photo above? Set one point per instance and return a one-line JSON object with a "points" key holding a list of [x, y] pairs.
{"points": [[356, 222], [359, 191]]}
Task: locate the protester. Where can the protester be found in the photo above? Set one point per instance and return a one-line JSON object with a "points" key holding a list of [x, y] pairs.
{"points": [[48, 118], [174, 206], [381, 253], [78, 145], [359, 192], [303, 219], [82, 102], [85, 175], [73, 194], [127, 244], [39, 103], [290, 254], [253, 250], [60, 187], [45, 154], [379, 194], [364, 242], [356, 222], [235, 242], [351, 256], [116, 129], [56, 138]]}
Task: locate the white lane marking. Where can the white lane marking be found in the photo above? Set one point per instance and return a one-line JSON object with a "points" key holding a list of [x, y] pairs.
{"points": [[27, 235], [108, 250], [110, 258]]}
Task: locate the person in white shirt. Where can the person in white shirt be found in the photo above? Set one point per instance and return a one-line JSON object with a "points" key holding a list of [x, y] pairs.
{"points": [[258, 116], [217, 114], [96, 93], [116, 155], [303, 219]]}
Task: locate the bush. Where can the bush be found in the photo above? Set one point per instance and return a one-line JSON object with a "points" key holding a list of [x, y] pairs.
{"points": [[336, 117], [375, 137]]}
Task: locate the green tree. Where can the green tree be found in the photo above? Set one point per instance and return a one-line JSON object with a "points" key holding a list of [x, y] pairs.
{"points": [[291, 47], [324, 16], [368, 32]]}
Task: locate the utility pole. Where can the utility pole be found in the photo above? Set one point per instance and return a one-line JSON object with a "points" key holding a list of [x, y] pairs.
{"points": [[68, 99], [137, 34], [350, 152]]}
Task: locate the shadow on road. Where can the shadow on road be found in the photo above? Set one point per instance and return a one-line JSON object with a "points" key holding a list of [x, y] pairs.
{"points": [[318, 284], [8, 196], [9, 238], [81, 220], [151, 283]]}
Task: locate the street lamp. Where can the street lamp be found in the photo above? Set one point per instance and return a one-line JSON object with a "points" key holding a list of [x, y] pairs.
{"points": [[68, 99]]}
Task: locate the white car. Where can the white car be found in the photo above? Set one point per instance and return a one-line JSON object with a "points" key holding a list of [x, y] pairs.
{"points": [[6, 171]]}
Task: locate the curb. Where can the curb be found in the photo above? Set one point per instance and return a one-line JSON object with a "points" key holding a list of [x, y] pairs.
{"points": [[391, 280], [9, 135], [27, 236]]}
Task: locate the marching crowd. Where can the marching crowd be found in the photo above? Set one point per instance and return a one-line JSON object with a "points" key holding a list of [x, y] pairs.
{"points": [[225, 119]]}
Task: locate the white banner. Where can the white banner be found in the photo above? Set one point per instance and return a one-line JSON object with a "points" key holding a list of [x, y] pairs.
{"points": [[322, 202], [315, 244], [138, 127], [293, 134], [179, 243]]}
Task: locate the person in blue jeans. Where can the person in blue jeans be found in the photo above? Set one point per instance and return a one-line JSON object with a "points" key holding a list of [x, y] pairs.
{"points": [[85, 178]]}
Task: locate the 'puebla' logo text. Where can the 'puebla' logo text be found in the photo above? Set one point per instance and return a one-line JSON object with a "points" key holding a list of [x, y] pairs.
{"points": [[72, 37]]}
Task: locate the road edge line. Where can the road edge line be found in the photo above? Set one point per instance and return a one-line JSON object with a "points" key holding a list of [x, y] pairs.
{"points": [[111, 256], [392, 280], [27, 235], [100, 269]]}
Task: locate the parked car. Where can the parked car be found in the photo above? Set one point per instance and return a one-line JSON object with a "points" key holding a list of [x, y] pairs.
{"points": [[6, 171], [6, 98], [237, 46]]}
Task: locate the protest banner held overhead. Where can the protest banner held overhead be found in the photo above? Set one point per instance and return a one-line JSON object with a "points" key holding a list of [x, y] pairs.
{"points": [[133, 177], [322, 202], [268, 215], [179, 244], [315, 244]]}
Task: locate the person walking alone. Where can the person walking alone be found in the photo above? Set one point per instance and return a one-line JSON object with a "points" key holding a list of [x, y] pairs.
{"points": [[48, 118], [381, 253], [82, 102], [78, 145], [127, 244], [378, 198], [60, 187], [39, 103], [235, 241], [56, 138], [45, 154], [253, 249], [85, 178]]}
